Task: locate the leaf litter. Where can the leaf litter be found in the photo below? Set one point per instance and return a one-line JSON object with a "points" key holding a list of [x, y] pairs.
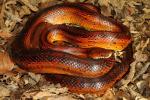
{"points": [[18, 84]]}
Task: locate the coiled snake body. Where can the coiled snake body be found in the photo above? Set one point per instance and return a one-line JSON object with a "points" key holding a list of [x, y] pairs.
{"points": [[75, 44]]}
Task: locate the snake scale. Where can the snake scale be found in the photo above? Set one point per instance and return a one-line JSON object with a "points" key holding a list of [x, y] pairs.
{"points": [[74, 45]]}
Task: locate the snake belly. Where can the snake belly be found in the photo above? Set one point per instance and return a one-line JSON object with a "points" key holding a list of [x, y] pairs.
{"points": [[74, 44]]}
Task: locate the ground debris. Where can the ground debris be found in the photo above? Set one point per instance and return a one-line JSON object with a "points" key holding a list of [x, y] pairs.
{"points": [[135, 14]]}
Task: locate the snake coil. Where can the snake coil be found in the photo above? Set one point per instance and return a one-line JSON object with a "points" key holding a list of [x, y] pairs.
{"points": [[74, 44]]}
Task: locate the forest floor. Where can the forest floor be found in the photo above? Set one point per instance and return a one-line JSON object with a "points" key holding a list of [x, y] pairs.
{"points": [[135, 14]]}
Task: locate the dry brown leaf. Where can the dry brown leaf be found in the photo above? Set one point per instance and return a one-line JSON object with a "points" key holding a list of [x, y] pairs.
{"points": [[142, 85], [6, 64], [28, 4], [71, 0], [42, 94], [103, 2], [130, 75], [24, 11], [46, 92], [117, 3], [5, 34], [142, 71], [141, 57], [109, 95], [48, 96], [146, 10], [35, 77], [136, 95], [55, 89], [4, 91], [123, 95], [60, 98], [44, 1]]}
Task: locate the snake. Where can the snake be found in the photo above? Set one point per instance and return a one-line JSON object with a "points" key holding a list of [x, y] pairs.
{"points": [[74, 44]]}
